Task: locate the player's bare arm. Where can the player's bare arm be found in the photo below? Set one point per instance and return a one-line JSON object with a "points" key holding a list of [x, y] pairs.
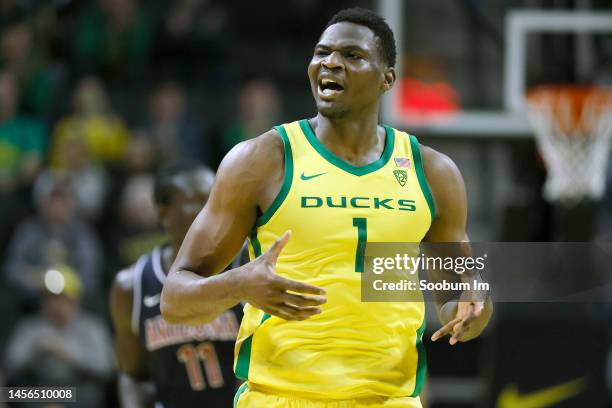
{"points": [[464, 318], [135, 391], [248, 179]]}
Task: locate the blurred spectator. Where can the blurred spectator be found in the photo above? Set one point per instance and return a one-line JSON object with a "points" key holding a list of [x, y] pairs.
{"points": [[62, 345], [19, 56], [260, 109], [171, 130], [139, 161], [140, 155], [8, 10], [93, 122], [56, 236], [193, 39], [22, 140], [115, 38], [89, 182], [199, 18], [137, 230], [23, 143]]}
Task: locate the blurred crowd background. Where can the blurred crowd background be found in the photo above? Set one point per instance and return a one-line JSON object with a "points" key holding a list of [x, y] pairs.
{"points": [[96, 95]]}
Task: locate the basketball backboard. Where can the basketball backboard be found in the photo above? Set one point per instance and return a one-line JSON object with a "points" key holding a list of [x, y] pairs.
{"points": [[464, 66]]}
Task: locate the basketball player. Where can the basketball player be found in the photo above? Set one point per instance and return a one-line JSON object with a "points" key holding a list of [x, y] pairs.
{"points": [[309, 194], [188, 366]]}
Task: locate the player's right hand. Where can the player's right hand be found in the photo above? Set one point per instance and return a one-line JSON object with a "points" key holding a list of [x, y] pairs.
{"points": [[263, 288]]}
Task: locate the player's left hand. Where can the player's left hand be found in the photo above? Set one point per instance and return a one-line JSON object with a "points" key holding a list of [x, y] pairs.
{"points": [[470, 319]]}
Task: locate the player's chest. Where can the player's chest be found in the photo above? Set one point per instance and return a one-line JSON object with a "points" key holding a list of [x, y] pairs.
{"points": [[388, 203]]}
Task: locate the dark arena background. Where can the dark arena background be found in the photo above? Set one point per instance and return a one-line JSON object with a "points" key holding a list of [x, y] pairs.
{"points": [[95, 96]]}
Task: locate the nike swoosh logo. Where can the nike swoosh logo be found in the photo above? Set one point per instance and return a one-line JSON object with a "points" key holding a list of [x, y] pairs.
{"points": [[304, 177], [150, 301], [547, 397]]}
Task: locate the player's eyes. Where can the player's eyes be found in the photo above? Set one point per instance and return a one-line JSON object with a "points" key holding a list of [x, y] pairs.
{"points": [[321, 53]]}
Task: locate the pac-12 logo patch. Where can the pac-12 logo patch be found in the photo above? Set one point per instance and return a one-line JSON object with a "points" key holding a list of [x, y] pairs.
{"points": [[401, 176]]}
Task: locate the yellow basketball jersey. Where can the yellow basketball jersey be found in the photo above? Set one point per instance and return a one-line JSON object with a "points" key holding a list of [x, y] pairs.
{"points": [[352, 349]]}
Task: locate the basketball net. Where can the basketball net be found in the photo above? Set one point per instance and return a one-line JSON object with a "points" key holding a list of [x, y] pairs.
{"points": [[572, 125]]}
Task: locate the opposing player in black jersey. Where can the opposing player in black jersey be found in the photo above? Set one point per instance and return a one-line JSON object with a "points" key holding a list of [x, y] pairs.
{"points": [[166, 365]]}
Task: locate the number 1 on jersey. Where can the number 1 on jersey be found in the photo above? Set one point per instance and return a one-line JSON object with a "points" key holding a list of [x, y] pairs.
{"points": [[362, 237]]}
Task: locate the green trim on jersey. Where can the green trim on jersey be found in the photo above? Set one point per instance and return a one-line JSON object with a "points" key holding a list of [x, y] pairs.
{"points": [[421, 370], [418, 166], [244, 387], [255, 242], [244, 355], [282, 194], [244, 359], [348, 167]]}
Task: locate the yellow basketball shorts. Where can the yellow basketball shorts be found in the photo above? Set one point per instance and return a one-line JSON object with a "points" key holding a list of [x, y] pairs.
{"points": [[248, 398]]}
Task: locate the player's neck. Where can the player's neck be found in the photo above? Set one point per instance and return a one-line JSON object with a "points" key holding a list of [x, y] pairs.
{"points": [[353, 136]]}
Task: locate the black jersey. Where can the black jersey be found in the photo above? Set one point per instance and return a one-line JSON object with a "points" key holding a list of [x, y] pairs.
{"points": [[190, 366]]}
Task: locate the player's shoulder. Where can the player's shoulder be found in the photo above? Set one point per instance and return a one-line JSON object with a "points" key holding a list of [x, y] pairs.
{"points": [[437, 164], [124, 279], [251, 163], [443, 178], [258, 149]]}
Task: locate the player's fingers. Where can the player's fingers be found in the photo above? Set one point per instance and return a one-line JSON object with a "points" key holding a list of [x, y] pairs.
{"points": [[271, 310], [469, 313], [478, 308], [301, 300], [290, 312], [277, 247], [459, 328], [444, 330], [458, 333], [299, 287], [466, 319], [300, 313], [456, 326], [280, 312]]}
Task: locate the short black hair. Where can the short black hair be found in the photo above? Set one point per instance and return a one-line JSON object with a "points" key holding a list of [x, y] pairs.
{"points": [[374, 22], [164, 184]]}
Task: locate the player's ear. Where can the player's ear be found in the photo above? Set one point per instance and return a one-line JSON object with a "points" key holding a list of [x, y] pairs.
{"points": [[389, 78]]}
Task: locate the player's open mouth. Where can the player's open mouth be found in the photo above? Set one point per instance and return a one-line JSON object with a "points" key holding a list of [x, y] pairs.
{"points": [[329, 87]]}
